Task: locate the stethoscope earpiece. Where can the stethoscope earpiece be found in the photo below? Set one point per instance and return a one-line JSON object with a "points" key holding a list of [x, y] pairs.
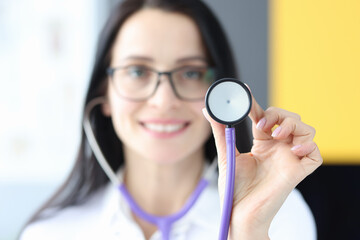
{"points": [[228, 101]]}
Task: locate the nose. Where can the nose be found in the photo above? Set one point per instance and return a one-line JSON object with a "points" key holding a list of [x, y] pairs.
{"points": [[164, 96]]}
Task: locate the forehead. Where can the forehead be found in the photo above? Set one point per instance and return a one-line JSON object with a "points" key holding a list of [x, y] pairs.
{"points": [[164, 36]]}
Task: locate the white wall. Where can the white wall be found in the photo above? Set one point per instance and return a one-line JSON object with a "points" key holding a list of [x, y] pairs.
{"points": [[46, 51]]}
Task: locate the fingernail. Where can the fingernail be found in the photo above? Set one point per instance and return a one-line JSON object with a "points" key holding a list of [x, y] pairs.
{"points": [[260, 125], [296, 147], [205, 114], [276, 132]]}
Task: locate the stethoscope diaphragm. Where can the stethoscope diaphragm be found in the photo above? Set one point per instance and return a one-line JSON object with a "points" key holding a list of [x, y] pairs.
{"points": [[228, 101]]}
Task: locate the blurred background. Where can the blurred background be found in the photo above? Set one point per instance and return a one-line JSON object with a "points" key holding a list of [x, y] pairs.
{"points": [[300, 55]]}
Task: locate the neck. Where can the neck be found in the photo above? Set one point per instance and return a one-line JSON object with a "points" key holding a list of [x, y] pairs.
{"points": [[162, 189]]}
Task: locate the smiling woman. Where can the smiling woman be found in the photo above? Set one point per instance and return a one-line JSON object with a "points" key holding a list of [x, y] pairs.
{"points": [[155, 61], [138, 123]]}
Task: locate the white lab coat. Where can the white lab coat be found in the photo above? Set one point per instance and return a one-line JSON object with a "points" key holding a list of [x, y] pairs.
{"points": [[106, 215]]}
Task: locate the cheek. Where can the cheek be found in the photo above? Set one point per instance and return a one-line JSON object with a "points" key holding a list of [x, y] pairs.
{"points": [[202, 122], [196, 108], [122, 114]]}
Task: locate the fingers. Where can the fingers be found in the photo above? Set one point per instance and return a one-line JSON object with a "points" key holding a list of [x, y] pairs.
{"points": [[219, 135], [264, 121], [309, 154], [257, 113], [290, 128], [289, 124], [218, 132], [301, 132]]}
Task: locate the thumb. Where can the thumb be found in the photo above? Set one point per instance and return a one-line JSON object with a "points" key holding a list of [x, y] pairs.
{"points": [[218, 130]]}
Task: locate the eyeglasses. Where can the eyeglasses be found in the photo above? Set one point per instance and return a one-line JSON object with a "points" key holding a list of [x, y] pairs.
{"points": [[138, 83]]}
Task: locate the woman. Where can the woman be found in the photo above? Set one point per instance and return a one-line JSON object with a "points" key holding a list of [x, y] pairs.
{"points": [[152, 132]]}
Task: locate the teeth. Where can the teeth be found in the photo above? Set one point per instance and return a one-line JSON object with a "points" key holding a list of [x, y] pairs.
{"points": [[168, 128]]}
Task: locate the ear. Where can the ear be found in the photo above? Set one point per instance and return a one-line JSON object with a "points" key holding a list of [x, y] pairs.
{"points": [[106, 109]]}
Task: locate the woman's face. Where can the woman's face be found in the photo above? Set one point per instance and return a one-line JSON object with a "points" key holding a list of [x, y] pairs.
{"points": [[162, 128]]}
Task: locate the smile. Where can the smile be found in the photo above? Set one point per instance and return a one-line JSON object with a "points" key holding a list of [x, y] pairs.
{"points": [[164, 128]]}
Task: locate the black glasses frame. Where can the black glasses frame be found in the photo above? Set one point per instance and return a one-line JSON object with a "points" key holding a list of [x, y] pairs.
{"points": [[110, 72]]}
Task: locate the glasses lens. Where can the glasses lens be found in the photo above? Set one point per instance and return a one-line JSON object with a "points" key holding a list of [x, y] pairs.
{"points": [[192, 82], [139, 82], [134, 82]]}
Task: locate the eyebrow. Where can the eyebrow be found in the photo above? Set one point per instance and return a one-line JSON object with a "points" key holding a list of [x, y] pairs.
{"points": [[136, 57], [181, 60], [192, 58]]}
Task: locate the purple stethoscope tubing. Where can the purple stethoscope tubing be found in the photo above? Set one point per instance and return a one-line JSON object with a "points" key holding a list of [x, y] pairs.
{"points": [[228, 101], [164, 223], [229, 185]]}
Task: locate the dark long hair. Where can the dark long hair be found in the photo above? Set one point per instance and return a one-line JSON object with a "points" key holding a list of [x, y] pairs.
{"points": [[87, 176]]}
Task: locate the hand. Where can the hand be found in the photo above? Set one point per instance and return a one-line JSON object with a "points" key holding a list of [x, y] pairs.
{"points": [[278, 161]]}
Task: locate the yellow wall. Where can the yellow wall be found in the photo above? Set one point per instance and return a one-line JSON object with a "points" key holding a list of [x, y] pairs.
{"points": [[315, 70]]}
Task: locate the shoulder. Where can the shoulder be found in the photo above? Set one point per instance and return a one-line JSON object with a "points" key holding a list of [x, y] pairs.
{"points": [[69, 223], [294, 220]]}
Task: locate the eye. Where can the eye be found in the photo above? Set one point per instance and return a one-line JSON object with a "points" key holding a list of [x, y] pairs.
{"points": [[192, 74], [137, 72]]}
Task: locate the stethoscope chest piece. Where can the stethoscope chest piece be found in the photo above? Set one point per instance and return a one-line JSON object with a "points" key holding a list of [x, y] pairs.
{"points": [[228, 101]]}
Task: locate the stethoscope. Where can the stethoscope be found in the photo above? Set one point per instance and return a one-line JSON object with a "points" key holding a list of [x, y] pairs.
{"points": [[228, 101]]}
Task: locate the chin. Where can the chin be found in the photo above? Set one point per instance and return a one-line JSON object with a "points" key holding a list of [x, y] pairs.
{"points": [[165, 158]]}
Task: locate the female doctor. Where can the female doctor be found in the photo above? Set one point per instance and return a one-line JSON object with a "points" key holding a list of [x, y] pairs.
{"points": [[155, 61]]}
